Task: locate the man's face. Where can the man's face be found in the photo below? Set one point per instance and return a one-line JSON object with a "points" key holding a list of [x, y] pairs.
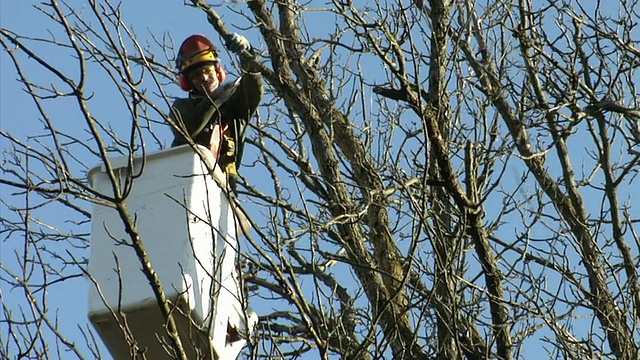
{"points": [[204, 79]]}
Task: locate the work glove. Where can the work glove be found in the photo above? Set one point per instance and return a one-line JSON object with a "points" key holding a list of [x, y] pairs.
{"points": [[238, 43]]}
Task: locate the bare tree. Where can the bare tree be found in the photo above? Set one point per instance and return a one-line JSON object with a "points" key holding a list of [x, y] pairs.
{"points": [[437, 179]]}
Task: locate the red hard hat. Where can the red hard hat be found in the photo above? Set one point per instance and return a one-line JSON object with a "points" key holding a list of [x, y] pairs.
{"points": [[196, 49]]}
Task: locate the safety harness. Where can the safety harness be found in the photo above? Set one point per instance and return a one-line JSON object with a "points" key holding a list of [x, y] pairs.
{"points": [[227, 152]]}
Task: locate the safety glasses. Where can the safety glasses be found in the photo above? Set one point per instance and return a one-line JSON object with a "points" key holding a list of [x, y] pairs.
{"points": [[209, 69]]}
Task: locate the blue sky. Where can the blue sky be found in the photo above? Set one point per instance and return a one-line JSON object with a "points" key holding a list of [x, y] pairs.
{"points": [[19, 118]]}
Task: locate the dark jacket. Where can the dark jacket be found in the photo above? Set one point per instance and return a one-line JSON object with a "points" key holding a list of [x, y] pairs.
{"points": [[233, 104]]}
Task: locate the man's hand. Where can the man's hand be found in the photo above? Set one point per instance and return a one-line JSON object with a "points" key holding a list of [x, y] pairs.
{"points": [[238, 44]]}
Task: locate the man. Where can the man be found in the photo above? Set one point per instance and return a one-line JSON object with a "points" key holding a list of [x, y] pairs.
{"points": [[215, 115]]}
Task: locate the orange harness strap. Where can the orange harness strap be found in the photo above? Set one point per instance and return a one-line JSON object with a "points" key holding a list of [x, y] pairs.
{"points": [[223, 148]]}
